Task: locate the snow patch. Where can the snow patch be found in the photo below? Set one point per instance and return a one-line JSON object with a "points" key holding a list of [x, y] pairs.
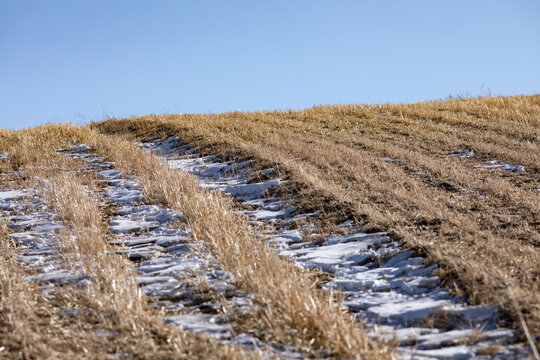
{"points": [[461, 154], [387, 159], [213, 324], [495, 164]]}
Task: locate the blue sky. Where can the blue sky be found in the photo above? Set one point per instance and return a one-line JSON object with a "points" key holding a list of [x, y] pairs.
{"points": [[83, 61]]}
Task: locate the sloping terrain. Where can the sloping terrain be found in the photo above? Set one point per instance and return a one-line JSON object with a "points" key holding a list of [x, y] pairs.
{"points": [[432, 174], [70, 252], [338, 231], [389, 289]]}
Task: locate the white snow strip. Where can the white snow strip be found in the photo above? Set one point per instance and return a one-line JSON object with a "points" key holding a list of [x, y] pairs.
{"points": [[8, 198], [391, 160], [461, 154], [495, 164], [36, 234], [213, 324]]}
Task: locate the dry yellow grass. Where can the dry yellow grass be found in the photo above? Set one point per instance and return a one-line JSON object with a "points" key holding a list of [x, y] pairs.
{"points": [[114, 290], [429, 200], [295, 311], [333, 156], [24, 311], [33, 325]]}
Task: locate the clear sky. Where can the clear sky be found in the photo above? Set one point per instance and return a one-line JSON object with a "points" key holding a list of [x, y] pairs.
{"points": [[83, 61]]}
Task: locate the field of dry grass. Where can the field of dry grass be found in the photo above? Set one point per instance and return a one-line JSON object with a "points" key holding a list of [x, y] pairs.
{"points": [[294, 311], [336, 159], [36, 325], [446, 207]]}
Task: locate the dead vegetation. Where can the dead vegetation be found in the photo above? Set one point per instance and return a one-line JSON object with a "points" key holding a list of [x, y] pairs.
{"points": [[295, 310], [110, 315], [34, 326], [482, 226], [445, 207]]}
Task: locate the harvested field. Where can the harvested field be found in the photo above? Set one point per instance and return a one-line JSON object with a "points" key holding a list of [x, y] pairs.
{"points": [[63, 292], [456, 181]]}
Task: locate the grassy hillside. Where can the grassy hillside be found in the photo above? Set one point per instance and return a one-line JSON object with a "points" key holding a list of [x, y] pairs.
{"points": [[481, 225], [405, 169], [295, 310], [110, 315]]}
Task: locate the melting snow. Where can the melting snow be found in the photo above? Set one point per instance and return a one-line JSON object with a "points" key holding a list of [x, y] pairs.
{"points": [[213, 324], [8, 198], [168, 257], [462, 154], [391, 160], [36, 234], [495, 164]]}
